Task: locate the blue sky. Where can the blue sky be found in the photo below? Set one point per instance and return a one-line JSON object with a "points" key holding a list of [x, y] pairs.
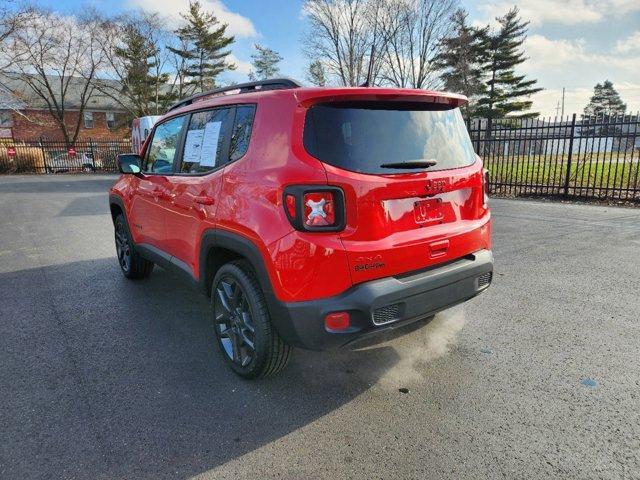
{"points": [[572, 43]]}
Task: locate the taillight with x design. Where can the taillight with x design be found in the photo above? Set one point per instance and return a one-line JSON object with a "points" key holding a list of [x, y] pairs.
{"points": [[315, 208]]}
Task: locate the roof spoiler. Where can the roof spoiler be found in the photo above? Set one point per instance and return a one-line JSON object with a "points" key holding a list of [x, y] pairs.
{"points": [[309, 96], [270, 84]]}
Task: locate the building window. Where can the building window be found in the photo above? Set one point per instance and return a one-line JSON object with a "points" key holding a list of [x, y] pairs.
{"points": [[88, 119], [111, 120], [6, 119]]}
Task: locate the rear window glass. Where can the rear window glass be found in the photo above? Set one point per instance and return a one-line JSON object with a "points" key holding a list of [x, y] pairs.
{"points": [[362, 136]]}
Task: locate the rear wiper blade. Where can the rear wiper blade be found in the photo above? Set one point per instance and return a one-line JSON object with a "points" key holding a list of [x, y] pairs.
{"points": [[410, 164]]}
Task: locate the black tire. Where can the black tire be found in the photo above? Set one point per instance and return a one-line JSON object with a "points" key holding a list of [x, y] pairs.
{"points": [[244, 333], [131, 263]]}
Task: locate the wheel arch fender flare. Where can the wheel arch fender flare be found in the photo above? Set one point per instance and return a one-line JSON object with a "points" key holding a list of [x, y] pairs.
{"points": [[216, 238], [116, 201], [242, 246]]}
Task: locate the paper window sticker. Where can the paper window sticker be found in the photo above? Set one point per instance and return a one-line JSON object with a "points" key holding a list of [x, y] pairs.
{"points": [[210, 144], [193, 146]]}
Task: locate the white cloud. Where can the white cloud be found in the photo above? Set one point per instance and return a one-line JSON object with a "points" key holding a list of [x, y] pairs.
{"points": [[544, 52], [567, 12], [238, 25], [571, 55], [241, 66], [629, 44], [570, 63], [623, 6]]}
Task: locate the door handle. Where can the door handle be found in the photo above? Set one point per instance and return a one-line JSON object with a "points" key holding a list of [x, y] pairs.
{"points": [[204, 200]]}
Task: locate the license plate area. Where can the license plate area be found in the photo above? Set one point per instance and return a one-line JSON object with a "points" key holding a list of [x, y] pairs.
{"points": [[427, 212]]}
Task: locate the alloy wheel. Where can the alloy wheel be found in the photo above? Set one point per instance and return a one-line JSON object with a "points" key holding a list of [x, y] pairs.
{"points": [[123, 247], [233, 321]]}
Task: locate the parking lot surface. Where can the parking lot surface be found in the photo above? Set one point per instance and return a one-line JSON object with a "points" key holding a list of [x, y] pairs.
{"points": [[102, 377]]}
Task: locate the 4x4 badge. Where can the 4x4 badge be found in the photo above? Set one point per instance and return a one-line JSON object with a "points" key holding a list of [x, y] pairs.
{"points": [[368, 263]]}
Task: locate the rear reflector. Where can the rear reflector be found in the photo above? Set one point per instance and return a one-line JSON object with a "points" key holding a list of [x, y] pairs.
{"points": [[290, 204], [337, 321]]}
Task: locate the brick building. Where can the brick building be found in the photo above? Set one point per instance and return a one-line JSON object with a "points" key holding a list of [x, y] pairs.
{"points": [[24, 115]]}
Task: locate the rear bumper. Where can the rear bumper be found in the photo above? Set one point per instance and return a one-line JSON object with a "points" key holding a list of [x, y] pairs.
{"points": [[387, 303]]}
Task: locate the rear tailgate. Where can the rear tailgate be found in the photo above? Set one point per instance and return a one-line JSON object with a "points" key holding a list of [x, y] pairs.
{"points": [[395, 226], [413, 186]]}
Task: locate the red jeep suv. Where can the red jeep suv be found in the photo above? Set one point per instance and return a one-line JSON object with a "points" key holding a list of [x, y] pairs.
{"points": [[312, 217]]}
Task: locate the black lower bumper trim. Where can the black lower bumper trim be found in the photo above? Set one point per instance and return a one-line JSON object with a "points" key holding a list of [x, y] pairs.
{"points": [[386, 303]]}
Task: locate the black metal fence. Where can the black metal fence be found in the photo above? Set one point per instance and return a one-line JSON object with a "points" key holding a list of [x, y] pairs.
{"points": [[572, 157], [43, 156]]}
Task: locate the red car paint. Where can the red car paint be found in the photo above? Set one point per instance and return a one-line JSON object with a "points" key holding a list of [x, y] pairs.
{"points": [[389, 228]]}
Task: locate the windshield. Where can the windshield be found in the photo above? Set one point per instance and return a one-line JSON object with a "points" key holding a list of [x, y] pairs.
{"points": [[378, 137]]}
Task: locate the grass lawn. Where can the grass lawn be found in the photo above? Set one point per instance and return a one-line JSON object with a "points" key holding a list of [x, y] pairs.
{"points": [[617, 171]]}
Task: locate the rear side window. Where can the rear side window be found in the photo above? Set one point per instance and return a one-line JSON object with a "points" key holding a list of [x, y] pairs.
{"points": [[363, 136], [161, 152], [204, 141], [242, 131]]}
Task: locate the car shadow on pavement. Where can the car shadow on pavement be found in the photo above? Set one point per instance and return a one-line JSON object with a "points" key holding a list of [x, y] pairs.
{"points": [[109, 378]]}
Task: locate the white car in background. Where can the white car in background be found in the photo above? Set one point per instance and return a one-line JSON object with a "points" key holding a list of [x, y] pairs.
{"points": [[140, 129], [64, 162]]}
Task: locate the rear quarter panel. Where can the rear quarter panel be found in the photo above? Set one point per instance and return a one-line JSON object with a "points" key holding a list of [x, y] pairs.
{"points": [[301, 266]]}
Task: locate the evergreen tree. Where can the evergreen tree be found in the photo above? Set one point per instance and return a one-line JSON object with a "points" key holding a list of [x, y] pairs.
{"points": [[605, 101], [203, 42], [137, 55], [265, 63], [461, 60], [507, 93], [316, 74]]}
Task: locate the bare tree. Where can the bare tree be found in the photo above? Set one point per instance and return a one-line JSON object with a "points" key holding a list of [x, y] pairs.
{"points": [[12, 18], [403, 36], [413, 30], [136, 62], [58, 59], [341, 35]]}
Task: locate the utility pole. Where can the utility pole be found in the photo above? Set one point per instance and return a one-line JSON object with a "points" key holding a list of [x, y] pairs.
{"points": [[562, 115], [558, 109]]}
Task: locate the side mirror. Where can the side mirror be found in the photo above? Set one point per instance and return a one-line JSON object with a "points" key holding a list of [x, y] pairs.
{"points": [[129, 163]]}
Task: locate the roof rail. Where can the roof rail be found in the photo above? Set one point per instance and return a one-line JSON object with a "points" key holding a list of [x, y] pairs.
{"points": [[269, 84]]}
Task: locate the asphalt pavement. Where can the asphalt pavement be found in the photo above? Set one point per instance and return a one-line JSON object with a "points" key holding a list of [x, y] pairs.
{"points": [[102, 377]]}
